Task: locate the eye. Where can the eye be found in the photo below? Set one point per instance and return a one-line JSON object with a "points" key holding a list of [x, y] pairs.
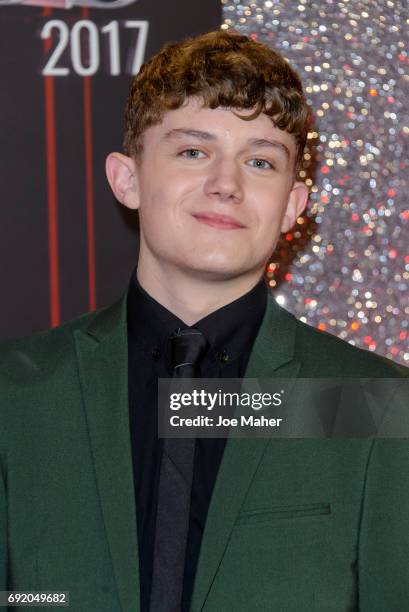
{"points": [[192, 154], [261, 164]]}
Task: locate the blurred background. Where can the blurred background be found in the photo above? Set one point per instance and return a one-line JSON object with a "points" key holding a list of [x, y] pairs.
{"points": [[67, 247]]}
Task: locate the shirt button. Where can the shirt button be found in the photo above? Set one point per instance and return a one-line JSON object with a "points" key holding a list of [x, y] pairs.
{"points": [[155, 353], [223, 356]]}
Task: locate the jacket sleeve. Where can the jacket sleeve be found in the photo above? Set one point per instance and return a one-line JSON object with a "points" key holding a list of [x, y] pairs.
{"points": [[383, 547], [3, 529]]}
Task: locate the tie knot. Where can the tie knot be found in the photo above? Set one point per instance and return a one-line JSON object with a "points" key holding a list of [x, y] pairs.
{"points": [[188, 347]]}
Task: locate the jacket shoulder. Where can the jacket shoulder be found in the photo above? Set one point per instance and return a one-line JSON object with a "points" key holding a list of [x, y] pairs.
{"points": [[26, 357], [327, 355]]}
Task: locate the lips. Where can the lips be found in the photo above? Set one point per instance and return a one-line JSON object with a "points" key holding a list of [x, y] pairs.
{"points": [[218, 221]]}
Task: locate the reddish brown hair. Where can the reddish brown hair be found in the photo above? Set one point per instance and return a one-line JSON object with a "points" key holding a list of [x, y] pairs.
{"points": [[223, 69]]}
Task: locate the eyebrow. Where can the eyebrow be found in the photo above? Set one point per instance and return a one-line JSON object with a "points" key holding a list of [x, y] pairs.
{"points": [[263, 142], [208, 136], [186, 132]]}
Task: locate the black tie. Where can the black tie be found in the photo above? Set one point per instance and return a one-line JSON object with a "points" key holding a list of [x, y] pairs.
{"points": [[175, 484]]}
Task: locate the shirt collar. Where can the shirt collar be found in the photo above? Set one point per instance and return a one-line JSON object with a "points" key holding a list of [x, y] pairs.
{"points": [[230, 329]]}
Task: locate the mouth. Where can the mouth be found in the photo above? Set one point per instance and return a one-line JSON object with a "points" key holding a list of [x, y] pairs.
{"points": [[218, 221]]}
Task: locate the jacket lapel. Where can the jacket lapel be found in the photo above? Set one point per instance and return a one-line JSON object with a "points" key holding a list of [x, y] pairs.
{"points": [[272, 356], [103, 365]]}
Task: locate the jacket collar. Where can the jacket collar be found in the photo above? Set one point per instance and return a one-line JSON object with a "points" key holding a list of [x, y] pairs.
{"points": [[102, 354], [273, 348], [272, 356]]}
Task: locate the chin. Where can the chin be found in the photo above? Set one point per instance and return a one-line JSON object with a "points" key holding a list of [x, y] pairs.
{"points": [[215, 270]]}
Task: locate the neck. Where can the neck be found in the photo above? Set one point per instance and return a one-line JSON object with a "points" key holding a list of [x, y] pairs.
{"points": [[192, 298]]}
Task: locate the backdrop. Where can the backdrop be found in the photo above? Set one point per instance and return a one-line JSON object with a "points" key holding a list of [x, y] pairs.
{"points": [[66, 246], [345, 267]]}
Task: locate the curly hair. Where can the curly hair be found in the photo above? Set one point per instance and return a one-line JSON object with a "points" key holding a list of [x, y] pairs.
{"points": [[223, 69]]}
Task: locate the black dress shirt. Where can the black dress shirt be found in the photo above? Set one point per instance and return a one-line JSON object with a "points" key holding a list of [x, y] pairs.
{"points": [[231, 331]]}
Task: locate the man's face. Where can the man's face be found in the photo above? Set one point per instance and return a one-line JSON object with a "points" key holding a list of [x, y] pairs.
{"points": [[214, 192]]}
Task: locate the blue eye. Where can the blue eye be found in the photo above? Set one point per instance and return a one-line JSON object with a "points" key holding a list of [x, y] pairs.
{"points": [[192, 153], [261, 164]]}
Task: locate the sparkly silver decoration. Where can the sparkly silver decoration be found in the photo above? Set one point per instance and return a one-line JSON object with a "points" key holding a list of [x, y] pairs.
{"points": [[345, 267]]}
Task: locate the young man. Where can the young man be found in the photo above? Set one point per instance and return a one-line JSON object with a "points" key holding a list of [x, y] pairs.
{"points": [[215, 131]]}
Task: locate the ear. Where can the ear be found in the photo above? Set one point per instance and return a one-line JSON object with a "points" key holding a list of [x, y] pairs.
{"points": [[297, 201], [122, 177]]}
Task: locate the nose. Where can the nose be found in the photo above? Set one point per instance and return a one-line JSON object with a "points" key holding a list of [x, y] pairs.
{"points": [[224, 182]]}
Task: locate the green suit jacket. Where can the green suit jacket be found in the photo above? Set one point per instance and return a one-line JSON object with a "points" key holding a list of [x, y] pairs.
{"points": [[293, 525]]}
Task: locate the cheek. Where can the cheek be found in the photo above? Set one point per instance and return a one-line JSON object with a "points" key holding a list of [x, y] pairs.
{"points": [[160, 211], [169, 190], [269, 220]]}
